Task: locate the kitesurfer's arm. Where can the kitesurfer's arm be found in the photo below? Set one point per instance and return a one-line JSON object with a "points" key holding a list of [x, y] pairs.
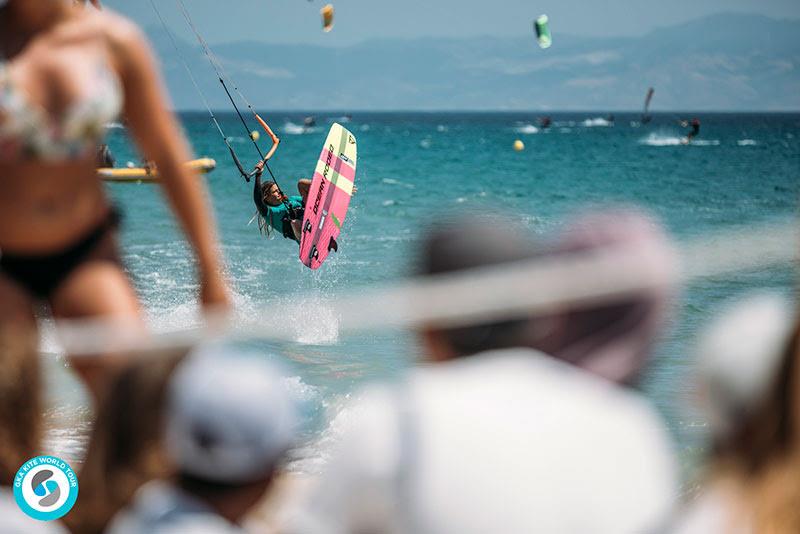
{"points": [[159, 138], [275, 140]]}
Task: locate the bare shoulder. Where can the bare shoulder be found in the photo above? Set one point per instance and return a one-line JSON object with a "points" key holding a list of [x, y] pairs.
{"points": [[121, 33]]}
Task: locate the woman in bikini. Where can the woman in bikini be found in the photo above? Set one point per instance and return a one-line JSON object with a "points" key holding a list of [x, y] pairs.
{"points": [[65, 71]]}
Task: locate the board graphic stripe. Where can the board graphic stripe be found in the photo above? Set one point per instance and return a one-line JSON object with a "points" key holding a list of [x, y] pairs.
{"points": [[339, 181], [346, 169]]}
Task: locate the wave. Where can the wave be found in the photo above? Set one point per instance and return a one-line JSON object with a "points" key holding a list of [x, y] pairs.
{"points": [[655, 139], [527, 129], [746, 142], [597, 121], [298, 129], [392, 181], [425, 143]]}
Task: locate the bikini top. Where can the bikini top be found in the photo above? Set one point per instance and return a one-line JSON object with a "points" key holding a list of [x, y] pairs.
{"points": [[29, 132]]}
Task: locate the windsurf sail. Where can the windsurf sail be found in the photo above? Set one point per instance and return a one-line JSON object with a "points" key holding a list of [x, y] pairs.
{"points": [[542, 30], [646, 117]]}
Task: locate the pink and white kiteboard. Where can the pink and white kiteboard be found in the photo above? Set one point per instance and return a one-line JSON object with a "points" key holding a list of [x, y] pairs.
{"points": [[328, 197]]}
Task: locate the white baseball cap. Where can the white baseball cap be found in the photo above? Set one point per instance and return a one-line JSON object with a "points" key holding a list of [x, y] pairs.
{"points": [[739, 357], [230, 417]]}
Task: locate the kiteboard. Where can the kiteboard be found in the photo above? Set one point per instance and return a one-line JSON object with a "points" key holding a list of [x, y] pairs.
{"points": [[144, 174], [328, 197]]}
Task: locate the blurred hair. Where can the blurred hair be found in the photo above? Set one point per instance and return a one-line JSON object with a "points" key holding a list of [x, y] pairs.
{"points": [[611, 339], [125, 449], [762, 454], [471, 243], [21, 404]]}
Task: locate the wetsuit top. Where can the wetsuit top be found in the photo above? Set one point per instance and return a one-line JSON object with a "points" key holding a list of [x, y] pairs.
{"points": [[279, 217]]}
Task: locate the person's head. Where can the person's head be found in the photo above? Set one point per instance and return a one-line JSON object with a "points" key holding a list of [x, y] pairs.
{"points": [[21, 404], [613, 338], [471, 244], [610, 338], [271, 193], [748, 381], [749, 385], [125, 448], [230, 424]]}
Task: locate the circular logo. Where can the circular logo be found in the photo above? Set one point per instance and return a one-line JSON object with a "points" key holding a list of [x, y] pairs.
{"points": [[46, 488]]}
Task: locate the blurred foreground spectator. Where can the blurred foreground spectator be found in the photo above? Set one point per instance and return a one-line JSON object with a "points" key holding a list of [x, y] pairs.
{"points": [[229, 423], [498, 435], [21, 423], [748, 374], [126, 444]]}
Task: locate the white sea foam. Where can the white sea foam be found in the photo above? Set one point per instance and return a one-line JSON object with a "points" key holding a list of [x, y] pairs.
{"points": [[527, 129], [441, 128], [659, 139], [392, 181], [746, 142], [114, 125], [298, 129], [387, 203], [597, 121], [425, 143]]}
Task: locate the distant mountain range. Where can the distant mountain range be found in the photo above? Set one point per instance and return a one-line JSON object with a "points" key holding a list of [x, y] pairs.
{"points": [[723, 62]]}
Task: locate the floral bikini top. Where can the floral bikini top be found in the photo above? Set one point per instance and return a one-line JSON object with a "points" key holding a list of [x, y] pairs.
{"points": [[28, 132]]}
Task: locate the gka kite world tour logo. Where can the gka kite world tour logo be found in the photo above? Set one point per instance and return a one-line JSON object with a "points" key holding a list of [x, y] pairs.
{"points": [[45, 488]]}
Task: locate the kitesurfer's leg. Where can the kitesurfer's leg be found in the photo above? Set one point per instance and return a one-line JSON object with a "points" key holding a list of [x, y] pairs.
{"points": [[303, 187], [297, 228]]}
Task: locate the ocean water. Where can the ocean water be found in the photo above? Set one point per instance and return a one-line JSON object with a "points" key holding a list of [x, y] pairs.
{"points": [[417, 169]]}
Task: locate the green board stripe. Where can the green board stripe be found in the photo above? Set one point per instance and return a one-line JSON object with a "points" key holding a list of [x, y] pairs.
{"points": [[336, 221]]}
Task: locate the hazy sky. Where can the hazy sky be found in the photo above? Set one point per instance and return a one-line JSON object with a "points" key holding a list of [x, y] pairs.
{"points": [[298, 21]]}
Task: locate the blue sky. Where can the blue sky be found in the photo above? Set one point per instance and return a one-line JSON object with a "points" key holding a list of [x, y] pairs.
{"points": [[298, 21]]}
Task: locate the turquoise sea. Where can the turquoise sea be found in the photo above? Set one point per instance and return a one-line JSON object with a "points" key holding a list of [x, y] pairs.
{"points": [[416, 169]]}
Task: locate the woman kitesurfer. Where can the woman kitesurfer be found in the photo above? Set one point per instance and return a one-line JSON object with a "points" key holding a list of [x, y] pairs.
{"points": [[280, 212], [65, 72]]}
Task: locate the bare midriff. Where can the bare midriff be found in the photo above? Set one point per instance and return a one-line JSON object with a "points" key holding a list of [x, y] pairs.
{"points": [[46, 207]]}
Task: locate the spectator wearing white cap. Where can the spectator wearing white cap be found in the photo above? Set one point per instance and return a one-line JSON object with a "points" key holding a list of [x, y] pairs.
{"points": [[230, 421], [495, 435], [748, 387]]}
